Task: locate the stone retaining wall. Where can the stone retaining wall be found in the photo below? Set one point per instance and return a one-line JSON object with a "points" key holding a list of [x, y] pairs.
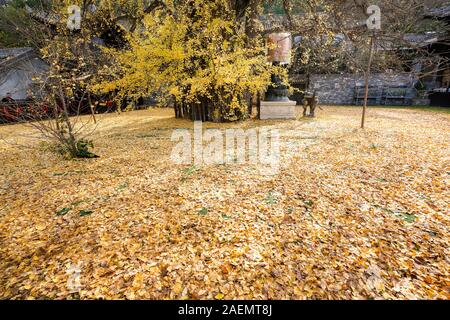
{"points": [[339, 89]]}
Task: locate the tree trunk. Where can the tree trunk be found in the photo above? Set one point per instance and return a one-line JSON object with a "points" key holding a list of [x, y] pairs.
{"points": [[250, 106], [366, 79], [70, 140], [258, 105], [92, 107]]}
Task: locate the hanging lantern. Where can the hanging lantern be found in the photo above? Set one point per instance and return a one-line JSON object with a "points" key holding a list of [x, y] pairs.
{"points": [[279, 47]]}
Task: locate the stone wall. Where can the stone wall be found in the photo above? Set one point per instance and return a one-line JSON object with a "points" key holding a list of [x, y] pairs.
{"points": [[339, 89]]}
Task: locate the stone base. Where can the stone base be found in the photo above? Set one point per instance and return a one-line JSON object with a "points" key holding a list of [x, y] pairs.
{"points": [[278, 110]]}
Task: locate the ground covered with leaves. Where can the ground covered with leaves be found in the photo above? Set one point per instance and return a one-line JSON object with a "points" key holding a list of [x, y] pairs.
{"points": [[352, 214]]}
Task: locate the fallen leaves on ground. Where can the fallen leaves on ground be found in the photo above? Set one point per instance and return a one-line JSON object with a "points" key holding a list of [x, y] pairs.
{"points": [[352, 214]]}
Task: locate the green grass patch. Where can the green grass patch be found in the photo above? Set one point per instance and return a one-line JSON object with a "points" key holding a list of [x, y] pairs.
{"points": [[271, 199], [406, 216]]}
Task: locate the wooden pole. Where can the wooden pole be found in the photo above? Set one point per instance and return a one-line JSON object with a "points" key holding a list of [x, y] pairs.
{"points": [[366, 76]]}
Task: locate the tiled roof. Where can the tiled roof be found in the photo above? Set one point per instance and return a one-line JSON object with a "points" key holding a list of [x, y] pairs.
{"points": [[439, 12], [3, 2], [10, 56], [12, 52], [424, 39]]}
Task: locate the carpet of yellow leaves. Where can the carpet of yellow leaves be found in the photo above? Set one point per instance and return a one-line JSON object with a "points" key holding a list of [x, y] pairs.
{"points": [[352, 214]]}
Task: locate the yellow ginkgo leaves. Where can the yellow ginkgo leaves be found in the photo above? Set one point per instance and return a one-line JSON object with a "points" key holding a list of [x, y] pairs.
{"points": [[332, 225]]}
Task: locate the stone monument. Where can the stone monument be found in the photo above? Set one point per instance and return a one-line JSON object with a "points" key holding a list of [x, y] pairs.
{"points": [[277, 104]]}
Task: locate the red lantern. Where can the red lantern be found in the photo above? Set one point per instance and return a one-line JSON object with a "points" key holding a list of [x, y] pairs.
{"points": [[279, 47]]}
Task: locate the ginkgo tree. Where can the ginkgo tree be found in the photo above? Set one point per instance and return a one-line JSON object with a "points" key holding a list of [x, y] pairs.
{"points": [[196, 53]]}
